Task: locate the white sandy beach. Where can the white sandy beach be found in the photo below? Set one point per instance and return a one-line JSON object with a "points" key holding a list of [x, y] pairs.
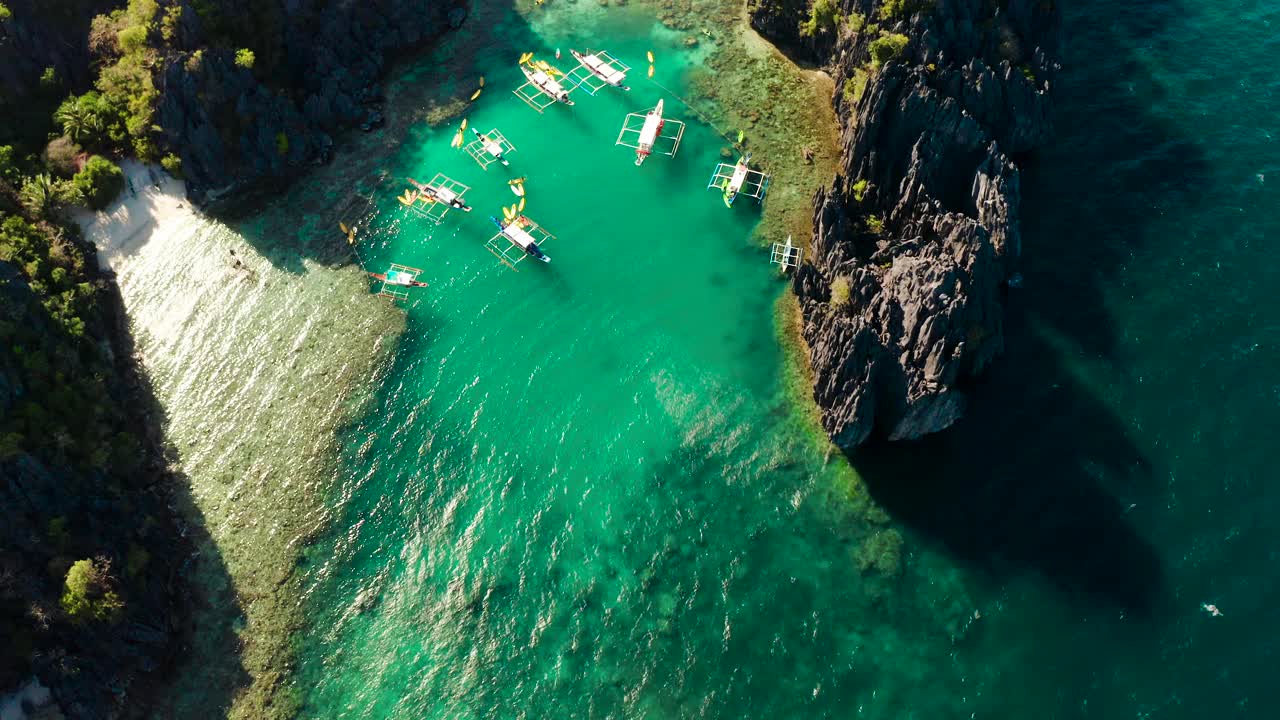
{"points": [[153, 204]]}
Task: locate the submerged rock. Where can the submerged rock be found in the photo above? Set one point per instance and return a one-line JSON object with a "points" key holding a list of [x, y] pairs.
{"points": [[902, 294]]}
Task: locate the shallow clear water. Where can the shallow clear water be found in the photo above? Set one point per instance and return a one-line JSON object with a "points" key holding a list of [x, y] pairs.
{"points": [[582, 491]]}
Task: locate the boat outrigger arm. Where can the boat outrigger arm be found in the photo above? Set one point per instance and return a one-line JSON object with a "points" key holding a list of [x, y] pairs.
{"points": [[597, 70], [739, 179], [517, 239], [542, 89], [489, 148], [433, 200], [650, 133], [396, 279], [786, 255]]}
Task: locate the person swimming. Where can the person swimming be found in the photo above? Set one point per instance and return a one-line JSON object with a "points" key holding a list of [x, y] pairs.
{"points": [[1211, 609]]}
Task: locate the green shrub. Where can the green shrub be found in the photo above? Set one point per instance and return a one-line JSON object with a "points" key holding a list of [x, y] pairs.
{"points": [[244, 58], [875, 224], [60, 156], [100, 182], [282, 144], [887, 48], [49, 79], [89, 593], [172, 164], [8, 165], [892, 9], [855, 85], [57, 533], [860, 190], [823, 17], [855, 21], [5, 12]]}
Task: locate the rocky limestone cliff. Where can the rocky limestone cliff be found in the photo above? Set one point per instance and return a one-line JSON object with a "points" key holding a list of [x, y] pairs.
{"points": [[42, 34], [316, 71], [902, 293]]}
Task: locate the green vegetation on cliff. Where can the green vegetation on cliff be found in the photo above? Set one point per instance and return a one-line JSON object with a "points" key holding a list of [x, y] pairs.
{"points": [[88, 548]]}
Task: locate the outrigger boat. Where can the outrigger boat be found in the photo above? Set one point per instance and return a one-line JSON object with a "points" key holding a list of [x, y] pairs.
{"points": [[739, 179], [489, 148], [596, 70], [786, 255], [396, 279], [542, 89], [433, 200], [652, 133], [518, 238]]}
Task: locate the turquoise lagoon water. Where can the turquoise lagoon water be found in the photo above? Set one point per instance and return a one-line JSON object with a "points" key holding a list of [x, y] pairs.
{"points": [[583, 492]]}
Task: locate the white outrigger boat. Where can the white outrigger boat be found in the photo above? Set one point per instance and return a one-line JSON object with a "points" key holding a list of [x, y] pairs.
{"points": [[433, 200], [542, 89], [596, 70], [786, 255], [396, 281], [518, 238], [739, 179], [650, 133], [489, 148]]}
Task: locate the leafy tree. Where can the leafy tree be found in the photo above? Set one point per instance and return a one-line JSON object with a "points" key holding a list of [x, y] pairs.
{"points": [[5, 12], [244, 58], [823, 16], [100, 182], [89, 593]]}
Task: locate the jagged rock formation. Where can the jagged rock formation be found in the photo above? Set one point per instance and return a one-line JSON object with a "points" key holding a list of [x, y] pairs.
{"points": [[41, 34], [902, 295], [316, 68]]}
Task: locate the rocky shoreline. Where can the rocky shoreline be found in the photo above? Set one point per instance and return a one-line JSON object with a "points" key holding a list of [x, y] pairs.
{"points": [[918, 236], [243, 131]]}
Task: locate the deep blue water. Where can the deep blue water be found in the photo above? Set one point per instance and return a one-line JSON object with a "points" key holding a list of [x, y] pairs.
{"points": [[1115, 472]]}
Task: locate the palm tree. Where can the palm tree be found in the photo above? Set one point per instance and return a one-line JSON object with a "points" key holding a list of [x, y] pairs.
{"points": [[42, 196], [39, 195], [76, 119]]}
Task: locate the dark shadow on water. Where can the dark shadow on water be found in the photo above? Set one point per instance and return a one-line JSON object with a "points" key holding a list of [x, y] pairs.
{"points": [[1034, 478], [1091, 196], [204, 672], [1028, 482]]}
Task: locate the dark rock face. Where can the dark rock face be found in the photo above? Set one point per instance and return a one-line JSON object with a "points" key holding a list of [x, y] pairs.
{"points": [[922, 226], [43, 34], [316, 66]]}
